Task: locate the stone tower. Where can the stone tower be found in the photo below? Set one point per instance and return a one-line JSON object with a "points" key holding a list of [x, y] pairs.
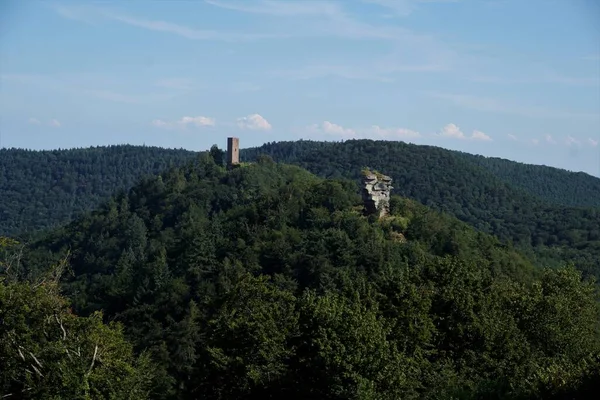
{"points": [[233, 151], [376, 193]]}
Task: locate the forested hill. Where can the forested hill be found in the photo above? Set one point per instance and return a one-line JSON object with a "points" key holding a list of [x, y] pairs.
{"points": [[266, 281], [451, 182], [551, 184], [40, 189]]}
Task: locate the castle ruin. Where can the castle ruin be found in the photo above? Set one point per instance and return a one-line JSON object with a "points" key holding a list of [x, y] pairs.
{"points": [[233, 151], [376, 193]]}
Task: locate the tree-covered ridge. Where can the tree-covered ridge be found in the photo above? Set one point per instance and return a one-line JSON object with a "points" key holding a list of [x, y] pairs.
{"points": [[444, 181], [554, 185], [42, 189], [266, 281]]}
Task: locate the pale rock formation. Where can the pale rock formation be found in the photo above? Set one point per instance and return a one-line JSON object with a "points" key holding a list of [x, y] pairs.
{"points": [[376, 193]]}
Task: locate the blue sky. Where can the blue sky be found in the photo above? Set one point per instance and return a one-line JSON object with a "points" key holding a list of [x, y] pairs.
{"points": [[512, 79]]}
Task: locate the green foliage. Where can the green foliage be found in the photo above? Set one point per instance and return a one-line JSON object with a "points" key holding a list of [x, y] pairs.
{"points": [[267, 282], [536, 209], [43, 189], [47, 352]]}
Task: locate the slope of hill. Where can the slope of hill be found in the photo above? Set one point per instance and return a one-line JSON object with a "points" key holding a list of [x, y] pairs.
{"points": [[44, 189], [440, 179], [268, 282], [41, 189], [554, 185]]}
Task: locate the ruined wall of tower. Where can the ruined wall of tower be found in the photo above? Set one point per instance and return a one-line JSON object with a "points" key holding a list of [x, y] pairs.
{"points": [[233, 151]]}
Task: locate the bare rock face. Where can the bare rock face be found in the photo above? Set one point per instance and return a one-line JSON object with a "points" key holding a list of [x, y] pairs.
{"points": [[376, 193]]}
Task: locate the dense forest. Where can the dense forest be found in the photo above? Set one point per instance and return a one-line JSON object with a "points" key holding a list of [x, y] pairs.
{"points": [[42, 189], [451, 182], [268, 281], [554, 185]]}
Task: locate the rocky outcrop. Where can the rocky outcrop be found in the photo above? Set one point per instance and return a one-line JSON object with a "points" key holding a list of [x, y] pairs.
{"points": [[376, 193]]}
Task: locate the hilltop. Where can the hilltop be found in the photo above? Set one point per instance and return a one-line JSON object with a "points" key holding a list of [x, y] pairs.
{"points": [[268, 281], [41, 189], [45, 189]]}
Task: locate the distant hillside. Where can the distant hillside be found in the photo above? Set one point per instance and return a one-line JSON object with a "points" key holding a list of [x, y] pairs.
{"points": [[520, 203], [450, 182], [41, 189], [551, 184]]}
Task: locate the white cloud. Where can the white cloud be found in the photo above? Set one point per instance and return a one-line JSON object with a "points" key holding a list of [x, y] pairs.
{"points": [[478, 135], [198, 121], [550, 139], [159, 123], [328, 128], [404, 8], [593, 142], [55, 123], [255, 122], [187, 32], [184, 122], [244, 87], [338, 130], [280, 8], [175, 83], [535, 141], [570, 140], [89, 13], [393, 133], [325, 18], [452, 131], [512, 137], [34, 121]]}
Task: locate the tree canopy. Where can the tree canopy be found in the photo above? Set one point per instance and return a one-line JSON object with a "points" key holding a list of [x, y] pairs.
{"points": [[266, 280]]}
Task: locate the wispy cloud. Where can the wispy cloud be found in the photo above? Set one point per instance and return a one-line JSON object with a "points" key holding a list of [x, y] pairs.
{"points": [[244, 87], [493, 105], [592, 57], [541, 78], [330, 129], [325, 18], [512, 137], [88, 13], [570, 141], [254, 122], [53, 122], [453, 131], [188, 32], [593, 142], [280, 8], [403, 8], [184, 122], [478, 135], [550, 139], [175, 83], [84, 86], [374, 71]]}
